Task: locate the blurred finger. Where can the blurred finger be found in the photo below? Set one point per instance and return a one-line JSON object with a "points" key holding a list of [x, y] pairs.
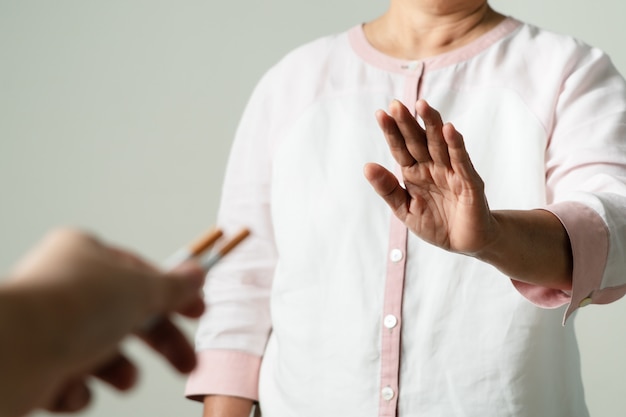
{"points": [[56, 244], [119, 372], [433, 124], [74, 396], [170, 342], [179, 291], [132, 259], [194, 309], [412, 133], [180, 288]]}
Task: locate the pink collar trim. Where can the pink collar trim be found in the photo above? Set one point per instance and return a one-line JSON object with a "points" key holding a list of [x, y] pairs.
{"points": [[369, 54]]}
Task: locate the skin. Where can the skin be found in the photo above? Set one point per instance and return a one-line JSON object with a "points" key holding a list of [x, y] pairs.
{"points": [[69, 304], [444, 201], [416, 29]]}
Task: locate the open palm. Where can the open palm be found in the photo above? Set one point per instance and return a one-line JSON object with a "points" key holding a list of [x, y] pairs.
{"points": [[443, 200]]}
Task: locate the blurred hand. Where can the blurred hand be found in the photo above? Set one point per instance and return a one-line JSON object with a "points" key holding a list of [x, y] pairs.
{"points": [[84, 298]]}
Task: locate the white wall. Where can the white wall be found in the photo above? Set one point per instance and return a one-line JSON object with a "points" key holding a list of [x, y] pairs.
{"points": [[117, 117]]}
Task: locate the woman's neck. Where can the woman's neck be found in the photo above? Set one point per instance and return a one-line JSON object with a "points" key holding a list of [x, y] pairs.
{"points": [[419, 29]]}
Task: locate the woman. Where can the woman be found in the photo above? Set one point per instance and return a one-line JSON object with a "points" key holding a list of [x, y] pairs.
{"points": [[452, 307]]}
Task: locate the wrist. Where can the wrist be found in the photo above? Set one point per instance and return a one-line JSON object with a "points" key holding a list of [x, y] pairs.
{"points": [[227, 406], [531, 246], [494, 246]]}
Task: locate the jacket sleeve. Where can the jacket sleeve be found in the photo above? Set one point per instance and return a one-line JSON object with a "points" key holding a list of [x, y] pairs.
{"points": [[586, 182], [232, 334]]}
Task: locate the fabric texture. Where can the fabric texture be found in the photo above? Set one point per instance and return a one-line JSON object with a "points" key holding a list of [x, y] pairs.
{"points": [[331, 308]]}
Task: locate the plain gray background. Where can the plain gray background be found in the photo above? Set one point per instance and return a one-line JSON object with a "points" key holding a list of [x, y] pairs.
{"points": [[117, 117]]}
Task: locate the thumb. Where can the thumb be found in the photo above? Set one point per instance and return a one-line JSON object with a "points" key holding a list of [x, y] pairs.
{"points": [[181, 289], [387, 186]]}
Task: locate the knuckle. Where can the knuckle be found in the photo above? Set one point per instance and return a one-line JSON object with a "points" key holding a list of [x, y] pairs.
{"points": [[68, 234]]}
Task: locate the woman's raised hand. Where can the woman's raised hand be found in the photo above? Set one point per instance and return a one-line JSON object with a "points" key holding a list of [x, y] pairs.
{"points": [[443, 200]]}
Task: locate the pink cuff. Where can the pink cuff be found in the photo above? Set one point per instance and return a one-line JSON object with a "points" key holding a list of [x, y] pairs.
{"points": [[589, 239], [224, 372]]}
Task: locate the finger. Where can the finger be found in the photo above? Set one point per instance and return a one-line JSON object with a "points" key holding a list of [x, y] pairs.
{"points": [[119, 372], [57, 244], [132, 259], [387, 186], [412, 133], [194, 309], [181, 289], [459, 158], [394, 138], [170, 342], [74, 396], [433, 124]]}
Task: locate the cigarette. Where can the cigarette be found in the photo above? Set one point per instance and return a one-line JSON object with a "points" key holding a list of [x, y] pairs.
{"points": [[196, 248], [202, 245], [194, 251], [223, 251]]}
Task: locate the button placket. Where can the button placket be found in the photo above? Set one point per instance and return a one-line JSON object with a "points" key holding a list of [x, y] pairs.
{"points": [[394, 281], [390, 321]]}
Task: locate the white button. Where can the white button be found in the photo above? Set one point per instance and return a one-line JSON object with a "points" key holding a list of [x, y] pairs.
{"points": [[388, 393], [390, 321], [396, 255], [585, 302]]}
